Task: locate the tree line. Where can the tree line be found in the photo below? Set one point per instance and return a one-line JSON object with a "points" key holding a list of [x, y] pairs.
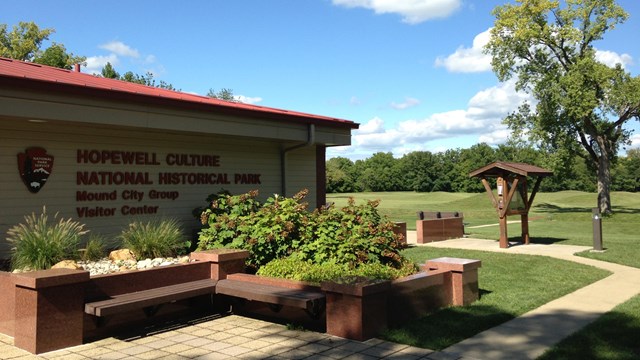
{"points": [[424, 171]]}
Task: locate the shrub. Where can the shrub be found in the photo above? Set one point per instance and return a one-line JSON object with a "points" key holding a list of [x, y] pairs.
{"points": [[276, 230], [155, 238], [95, 249], [226, 219], [38, 244], [197, 212], [350, 236], [295, 268]]}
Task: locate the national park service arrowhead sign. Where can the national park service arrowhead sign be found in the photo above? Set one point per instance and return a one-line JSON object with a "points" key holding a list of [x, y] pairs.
{"points": [[35, 166]]}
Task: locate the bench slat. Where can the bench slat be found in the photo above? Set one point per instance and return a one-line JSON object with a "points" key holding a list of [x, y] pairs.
{"points": [[151, 297], [268, 293]]}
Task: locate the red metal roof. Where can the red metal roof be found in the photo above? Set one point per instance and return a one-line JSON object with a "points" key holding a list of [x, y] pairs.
{"points": [[17, 72], [500, 167]]}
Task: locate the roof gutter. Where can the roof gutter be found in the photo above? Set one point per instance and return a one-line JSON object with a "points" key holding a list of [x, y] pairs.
{"points": [[311, 139]]}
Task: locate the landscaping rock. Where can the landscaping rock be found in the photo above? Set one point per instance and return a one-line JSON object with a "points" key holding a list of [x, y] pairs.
{"points": [[67, 264], [122, 254]]}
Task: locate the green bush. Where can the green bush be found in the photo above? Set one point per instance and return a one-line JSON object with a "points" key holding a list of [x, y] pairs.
{"points": [[95, 249], [197, 212], [226, 220], [277, 229], [269, 231], [38, 244], [349, 236], [155, 238], [295, 268], [352, 235]]}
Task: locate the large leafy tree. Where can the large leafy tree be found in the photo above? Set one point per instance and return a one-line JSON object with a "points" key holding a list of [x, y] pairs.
{"points": [[581, 104], [340, 178], [24, 42]]}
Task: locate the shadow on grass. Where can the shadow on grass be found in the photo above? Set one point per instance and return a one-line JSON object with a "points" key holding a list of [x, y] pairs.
{"points": [[448, 326], [550, 208], [535, 240]]}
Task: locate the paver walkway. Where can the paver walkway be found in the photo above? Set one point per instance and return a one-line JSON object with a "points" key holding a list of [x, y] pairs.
{"points": [[229, 337], [529, 335], [236, 337]]}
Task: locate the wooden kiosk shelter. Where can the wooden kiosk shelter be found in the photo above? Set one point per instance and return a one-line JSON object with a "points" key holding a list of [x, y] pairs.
{"points": [[512, 195]]}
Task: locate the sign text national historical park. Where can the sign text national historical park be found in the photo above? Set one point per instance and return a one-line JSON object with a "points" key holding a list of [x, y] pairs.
{"points": [[133, 169]]}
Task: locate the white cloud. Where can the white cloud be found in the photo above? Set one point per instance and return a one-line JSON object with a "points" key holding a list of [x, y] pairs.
{"points": [[408, 102], [124, 58], [496, 101], [481, 121], [412, 11], [121, 49], [355, 101], [611, 58], [496, 137], [467, 60], [248, 99], [96, 63], [635, 141], [373, 126], [150, 59]]}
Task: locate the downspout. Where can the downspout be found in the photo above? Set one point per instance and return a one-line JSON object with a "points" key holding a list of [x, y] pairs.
{"points": [[311, 139]]}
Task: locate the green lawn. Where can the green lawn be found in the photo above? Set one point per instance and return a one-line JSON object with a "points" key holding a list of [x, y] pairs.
{"points": [[510, 285], [563, 218]]}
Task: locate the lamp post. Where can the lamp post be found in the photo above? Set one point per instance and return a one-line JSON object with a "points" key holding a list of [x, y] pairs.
{"points": [[597, 229]]}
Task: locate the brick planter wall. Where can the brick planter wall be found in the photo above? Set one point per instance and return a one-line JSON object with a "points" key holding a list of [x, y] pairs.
{"points": [[44, 310], [356, 310]]}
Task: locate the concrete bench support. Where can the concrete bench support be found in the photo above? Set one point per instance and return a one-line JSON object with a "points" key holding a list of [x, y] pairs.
{"points": [[463, 279], [223, 261], [49, 309], [357, 310]]}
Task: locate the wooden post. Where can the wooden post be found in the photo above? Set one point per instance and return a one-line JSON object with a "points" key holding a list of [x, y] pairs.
{"points": [[502, 207], [504, 238], [524, 223], [524, 215]]}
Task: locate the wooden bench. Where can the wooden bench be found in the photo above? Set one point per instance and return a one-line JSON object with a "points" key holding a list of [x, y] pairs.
{"points": [[312, 302], [150, 300]]}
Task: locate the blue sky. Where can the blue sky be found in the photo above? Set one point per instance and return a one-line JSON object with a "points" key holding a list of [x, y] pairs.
{"points": [[409, 71]]}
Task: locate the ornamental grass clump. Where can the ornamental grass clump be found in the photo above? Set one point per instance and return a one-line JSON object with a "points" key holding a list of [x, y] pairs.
{"points": [[154, 238], [39, 243], [95, 249]]}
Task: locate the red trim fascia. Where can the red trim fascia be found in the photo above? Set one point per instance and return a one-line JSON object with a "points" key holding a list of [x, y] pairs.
{"points": [[133, 98]]}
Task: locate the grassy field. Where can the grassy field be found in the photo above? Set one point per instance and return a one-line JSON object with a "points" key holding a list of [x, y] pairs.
{"points": [[563, 217]]}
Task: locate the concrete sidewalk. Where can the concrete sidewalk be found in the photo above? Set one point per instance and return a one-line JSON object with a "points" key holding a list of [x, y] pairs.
{"points": [[529, 335]]}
